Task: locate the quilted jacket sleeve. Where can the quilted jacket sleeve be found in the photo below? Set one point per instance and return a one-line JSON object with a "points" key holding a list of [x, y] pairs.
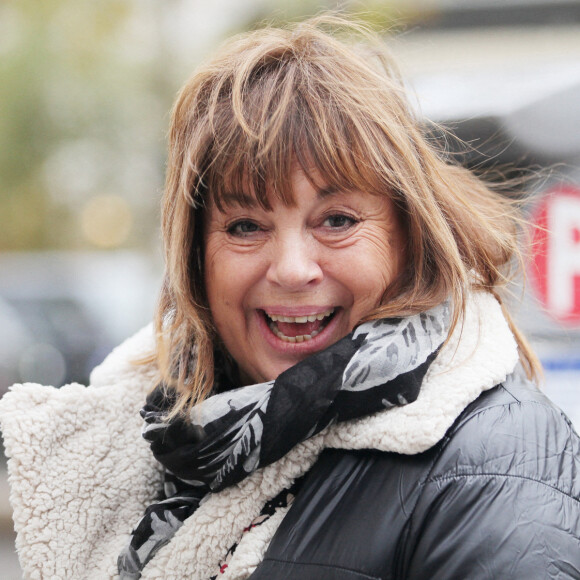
{"points": [[502, 499]]}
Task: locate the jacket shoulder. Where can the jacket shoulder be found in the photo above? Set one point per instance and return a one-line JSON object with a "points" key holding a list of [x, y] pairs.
{"points": [[513, 430], [502, 498]]}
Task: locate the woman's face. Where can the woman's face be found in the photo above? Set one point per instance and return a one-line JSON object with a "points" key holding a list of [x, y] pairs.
{"points": [[285, 283]]}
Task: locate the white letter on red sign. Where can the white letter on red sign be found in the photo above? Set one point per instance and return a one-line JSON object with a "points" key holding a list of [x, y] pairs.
{"points": [[563, 253]]}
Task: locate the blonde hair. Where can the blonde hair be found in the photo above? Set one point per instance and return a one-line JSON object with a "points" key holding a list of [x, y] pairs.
{"points": [[280, 96]]}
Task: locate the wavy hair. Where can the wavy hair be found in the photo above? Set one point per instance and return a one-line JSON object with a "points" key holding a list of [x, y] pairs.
{"points": [[325, 94]]}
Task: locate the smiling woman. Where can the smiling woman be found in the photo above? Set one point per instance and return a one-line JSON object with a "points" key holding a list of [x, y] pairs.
{"points": [[306, 274], [280, 114], [337, 390]]}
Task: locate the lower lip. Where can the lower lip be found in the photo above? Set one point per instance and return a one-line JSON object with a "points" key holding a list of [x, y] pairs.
{"points": [[318, 342]]}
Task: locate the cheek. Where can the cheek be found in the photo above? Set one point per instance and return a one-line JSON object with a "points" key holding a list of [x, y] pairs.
{"points": [[218, 281], [211, 272], [380, 258], [231, 279], [369, 272]]}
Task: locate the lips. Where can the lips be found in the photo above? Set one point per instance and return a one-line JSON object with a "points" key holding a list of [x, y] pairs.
{"points": [[298, 328]]}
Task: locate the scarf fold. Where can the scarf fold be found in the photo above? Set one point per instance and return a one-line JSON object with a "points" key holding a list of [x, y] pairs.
{"points": [[228, 436]]}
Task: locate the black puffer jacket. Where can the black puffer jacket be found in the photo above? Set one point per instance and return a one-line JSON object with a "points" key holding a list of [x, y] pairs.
{"points": [[497, 498]]}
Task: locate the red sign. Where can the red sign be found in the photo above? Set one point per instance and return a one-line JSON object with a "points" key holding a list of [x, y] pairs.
{"points": [[556, 264]]}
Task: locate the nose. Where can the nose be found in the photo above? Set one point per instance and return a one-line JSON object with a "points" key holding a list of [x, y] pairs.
{"points": [[294, 264]]}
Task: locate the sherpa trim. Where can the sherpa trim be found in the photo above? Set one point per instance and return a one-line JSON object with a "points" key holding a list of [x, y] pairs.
{"points": [[479, 355], [73, 514]]}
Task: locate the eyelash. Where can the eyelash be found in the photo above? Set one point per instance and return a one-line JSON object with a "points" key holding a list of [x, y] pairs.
{"points": [[234, 229], [351, 221]]}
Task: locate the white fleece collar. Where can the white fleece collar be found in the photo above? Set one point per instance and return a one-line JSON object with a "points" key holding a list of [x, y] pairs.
{"points": [[479, 355], [73, 514]]}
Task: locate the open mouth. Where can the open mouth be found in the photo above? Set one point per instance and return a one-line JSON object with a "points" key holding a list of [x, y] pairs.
{"points": [[298, 328]]}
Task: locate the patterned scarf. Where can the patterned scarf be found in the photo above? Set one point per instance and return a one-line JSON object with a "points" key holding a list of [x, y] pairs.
{"points": [[228, 436]]}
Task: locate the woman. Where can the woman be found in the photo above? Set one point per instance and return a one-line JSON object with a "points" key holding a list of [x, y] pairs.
{"points": [[336, 390]]}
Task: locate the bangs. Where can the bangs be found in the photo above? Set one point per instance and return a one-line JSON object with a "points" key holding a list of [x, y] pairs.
{"points": [[280, 115]]}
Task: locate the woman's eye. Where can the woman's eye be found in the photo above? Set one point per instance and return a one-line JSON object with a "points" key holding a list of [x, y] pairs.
{"points": [[339, 221], [243, 228]]}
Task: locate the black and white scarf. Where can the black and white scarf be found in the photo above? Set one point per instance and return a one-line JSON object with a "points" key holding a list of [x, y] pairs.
{"points": [[228, 436]]}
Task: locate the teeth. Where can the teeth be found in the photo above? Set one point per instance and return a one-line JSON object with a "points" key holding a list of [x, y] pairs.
{"points": [[300, 319], [297, 320], [300, 338]]}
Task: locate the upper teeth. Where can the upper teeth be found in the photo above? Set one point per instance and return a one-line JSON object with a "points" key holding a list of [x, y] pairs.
{"points": [[308, 318]]}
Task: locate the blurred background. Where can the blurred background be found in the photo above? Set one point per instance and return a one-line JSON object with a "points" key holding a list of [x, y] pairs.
{"points": [[85, 92]]}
